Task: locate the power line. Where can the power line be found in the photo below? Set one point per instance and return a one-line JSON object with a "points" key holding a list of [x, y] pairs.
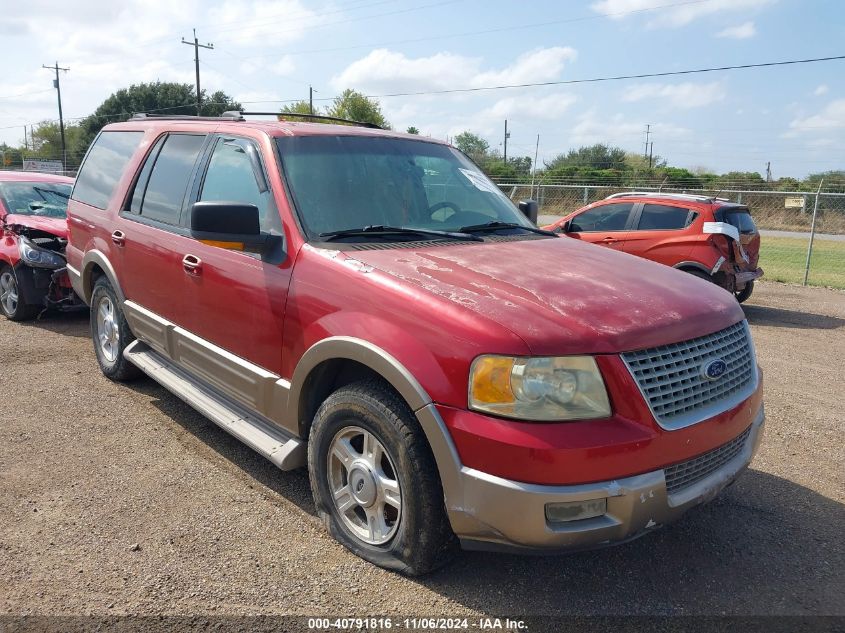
{"points": [[27, 94], [612, 78]]}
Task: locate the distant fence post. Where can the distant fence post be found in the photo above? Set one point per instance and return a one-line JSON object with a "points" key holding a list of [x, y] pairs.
{"points": [[586, 195], [812, 232]]}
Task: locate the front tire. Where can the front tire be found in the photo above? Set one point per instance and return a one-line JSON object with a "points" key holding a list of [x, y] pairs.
{"points": [[743, 294], [375, 481], [110, 333], [12, 301]]}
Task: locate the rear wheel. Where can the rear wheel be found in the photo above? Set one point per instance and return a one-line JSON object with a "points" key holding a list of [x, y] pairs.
{"points": [[743, 294], [110, 332], [375, 482], [698, 273], [12, 302]]}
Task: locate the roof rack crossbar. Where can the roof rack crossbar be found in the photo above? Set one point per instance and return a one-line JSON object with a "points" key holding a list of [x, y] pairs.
{"points": [[226, 116], [322, 117]]}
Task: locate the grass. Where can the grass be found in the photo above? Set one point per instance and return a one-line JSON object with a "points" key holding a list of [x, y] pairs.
{"points": [[784, 258]]}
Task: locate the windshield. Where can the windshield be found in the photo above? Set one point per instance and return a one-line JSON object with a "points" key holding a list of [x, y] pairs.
{"points": [[47, 199], [349, 182]]}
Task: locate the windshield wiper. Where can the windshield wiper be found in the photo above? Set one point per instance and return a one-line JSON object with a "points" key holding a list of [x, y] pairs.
{"points": [[378, 230], [496, 224]]}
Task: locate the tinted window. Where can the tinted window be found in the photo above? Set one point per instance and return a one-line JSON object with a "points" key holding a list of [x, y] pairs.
{"points": [[230, 178], [659, 217], [743, 221], [609, 217], [143, 178], [48, 199], [104, 166], [170, 176]]}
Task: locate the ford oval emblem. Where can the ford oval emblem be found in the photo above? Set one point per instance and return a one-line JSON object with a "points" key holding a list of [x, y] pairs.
{"points": [[714, 369]]}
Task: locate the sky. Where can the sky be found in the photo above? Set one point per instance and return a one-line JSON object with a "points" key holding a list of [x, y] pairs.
{"points": [[267, 52]]}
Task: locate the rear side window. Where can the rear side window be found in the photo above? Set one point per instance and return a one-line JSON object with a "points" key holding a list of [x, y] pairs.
{"points": [[743, 221], [171, 173], [104, 166], [660, 217], [609, 217]]}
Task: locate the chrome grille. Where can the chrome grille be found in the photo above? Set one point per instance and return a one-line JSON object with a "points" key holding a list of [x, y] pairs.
{"points": [[694, 470], [670, 376]]}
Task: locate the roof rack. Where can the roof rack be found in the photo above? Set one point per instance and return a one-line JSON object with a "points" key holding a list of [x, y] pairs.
{"points": [[234, 115], [323, 117], [226, 116], [657, 194]]}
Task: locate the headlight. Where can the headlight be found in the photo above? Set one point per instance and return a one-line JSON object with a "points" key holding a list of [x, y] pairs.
{"points": [[40, 257], [539, 389]]}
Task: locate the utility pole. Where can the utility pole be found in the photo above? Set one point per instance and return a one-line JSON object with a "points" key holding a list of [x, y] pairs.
{"points": [[197, 46], [507, 136], [769, 171], [650, 154], [58, 88], [534, 166], [647, 133], [310, 99]]}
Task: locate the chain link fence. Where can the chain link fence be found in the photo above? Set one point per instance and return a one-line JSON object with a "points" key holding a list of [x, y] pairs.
{"points": [[794, 247]]}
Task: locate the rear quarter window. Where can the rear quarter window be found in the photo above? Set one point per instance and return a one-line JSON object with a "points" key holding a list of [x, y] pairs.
{"points": [[742, 220], [103, 167], [661, 217]]}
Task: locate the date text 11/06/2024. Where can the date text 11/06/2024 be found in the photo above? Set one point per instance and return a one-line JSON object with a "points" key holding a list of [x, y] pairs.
{"points": [[424, 624]]}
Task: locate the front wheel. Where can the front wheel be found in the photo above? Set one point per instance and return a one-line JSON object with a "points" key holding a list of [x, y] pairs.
{"points": [[743, 294], [12, 302], [375, 482], [110, 332]]}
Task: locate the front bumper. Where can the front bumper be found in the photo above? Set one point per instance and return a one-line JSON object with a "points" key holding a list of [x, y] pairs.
{"points": [[489, 512]]}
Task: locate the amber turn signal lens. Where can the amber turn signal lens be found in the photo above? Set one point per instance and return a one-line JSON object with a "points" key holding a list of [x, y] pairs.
{"points": [[491, 380]]}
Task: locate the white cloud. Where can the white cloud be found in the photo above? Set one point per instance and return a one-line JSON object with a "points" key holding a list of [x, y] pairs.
{"points": [[830, 119], [253, 22], [821, 90], [284, 67], [683, 95], [383, 70], [742, 31], [617, 130], [672, 16]]}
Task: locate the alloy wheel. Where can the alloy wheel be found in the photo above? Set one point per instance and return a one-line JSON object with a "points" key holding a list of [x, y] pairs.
{"points": [[9, 292], [107, 330], [364, 485]]}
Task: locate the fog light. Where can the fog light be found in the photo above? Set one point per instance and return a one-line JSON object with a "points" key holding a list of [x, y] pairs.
{"points": [[575, 510]]}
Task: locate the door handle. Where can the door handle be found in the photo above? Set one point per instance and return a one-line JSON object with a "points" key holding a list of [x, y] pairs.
{"points": [[608, 240], [118, 237], [192, 264]]}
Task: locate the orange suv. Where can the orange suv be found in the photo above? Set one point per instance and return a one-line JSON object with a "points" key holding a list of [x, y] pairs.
{"points": [[711, 238]]}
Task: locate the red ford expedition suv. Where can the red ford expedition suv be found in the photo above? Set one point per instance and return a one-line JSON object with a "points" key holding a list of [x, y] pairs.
{"points": [[369, 304], [711, 238]]}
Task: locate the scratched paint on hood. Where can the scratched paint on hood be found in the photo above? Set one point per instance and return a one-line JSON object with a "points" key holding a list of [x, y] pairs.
{"points": [[563, 296]]}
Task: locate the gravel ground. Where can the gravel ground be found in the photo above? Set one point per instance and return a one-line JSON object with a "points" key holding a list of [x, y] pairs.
{"points": [[119, 499]]}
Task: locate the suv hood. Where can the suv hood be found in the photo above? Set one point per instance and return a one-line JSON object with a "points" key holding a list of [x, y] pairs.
{"points": [[53, 226], [562, 296]]}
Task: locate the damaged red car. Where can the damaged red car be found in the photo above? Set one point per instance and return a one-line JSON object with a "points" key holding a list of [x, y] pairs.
{"points": [[33, 236]]}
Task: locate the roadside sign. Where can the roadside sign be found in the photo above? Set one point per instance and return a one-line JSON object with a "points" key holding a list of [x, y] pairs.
{"points": [[35, 164], [796, 202]]}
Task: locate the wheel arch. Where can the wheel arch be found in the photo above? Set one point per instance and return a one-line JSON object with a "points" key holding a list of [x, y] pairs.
{"points": [[95, 264], [339, 360], [690, 265]]}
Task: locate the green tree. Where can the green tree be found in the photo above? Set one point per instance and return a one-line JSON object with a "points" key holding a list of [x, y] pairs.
{"points": [[299, 107], [10, 156], [355, 106], [834, 181], [741, 180], [473, 146], [46, 142], [598, 156], [155, 98], [412, 130]]}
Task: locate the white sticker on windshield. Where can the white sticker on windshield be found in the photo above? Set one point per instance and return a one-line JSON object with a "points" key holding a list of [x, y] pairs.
{"points": [[480, 182]]}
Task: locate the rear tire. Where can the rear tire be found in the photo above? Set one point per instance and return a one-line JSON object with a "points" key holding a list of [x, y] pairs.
{"points": [[698, 273], [12, 301], [110, 333], [743, 294], [375, 481]]}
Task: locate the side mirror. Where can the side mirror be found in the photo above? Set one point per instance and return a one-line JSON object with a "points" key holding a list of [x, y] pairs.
{"points": [[530, 209], [566, 226], [229, 225]]}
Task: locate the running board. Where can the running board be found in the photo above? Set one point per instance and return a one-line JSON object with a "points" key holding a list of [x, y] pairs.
{"points": [[283, 450]]}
